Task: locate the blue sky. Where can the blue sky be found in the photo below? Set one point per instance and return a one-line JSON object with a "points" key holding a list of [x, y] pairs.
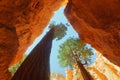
{"points": [[60, 18], [57, 18]]}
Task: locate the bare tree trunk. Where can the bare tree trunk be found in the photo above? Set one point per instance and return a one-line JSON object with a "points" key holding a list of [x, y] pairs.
{"points": [[85, 74], [36, 65]]}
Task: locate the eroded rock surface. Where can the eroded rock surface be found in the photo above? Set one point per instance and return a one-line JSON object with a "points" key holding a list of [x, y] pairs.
{"points": [[103, 69], [21, 21], [8, 46], [98, 23]]}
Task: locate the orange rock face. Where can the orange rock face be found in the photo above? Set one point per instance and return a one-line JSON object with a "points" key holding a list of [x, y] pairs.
{"points": [[98, 23], [69, 75], [21, 21], [103, 69], [57, 76], [8, 46]]}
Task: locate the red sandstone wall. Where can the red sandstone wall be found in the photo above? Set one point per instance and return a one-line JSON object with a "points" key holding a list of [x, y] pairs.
{"points": [[98, 23], [21, 21]]}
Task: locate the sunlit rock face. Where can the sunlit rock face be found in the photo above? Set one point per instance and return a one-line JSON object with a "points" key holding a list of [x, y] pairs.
{"points": [[57, 76], [21, 21], [98, 23], [69, 74], [103, 69]]}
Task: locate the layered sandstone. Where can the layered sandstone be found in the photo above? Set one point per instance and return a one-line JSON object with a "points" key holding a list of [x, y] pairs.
{"points": [[21, 21], [103, 69], [98, 23]]}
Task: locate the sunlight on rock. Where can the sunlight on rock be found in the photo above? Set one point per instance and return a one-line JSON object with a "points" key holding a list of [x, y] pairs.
{"points": [[57, 76], [103, 69]]}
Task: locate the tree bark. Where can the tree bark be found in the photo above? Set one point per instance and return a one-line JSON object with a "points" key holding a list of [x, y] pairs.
{"points": [[36, 65], [85, 74]]}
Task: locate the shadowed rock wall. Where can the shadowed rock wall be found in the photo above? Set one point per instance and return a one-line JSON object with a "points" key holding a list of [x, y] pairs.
{"points": [[21, 21], [8, 46], [98, 23]]}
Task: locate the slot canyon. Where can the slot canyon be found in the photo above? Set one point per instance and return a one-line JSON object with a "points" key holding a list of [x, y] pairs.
{"points": [[96, 22]]}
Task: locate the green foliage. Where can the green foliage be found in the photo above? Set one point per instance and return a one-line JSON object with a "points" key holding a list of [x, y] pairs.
{"points": [[75, 45], [60, 30], [14, 68]]}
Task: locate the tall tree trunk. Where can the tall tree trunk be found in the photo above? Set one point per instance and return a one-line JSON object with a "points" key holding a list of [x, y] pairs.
{"points": [[36, 65], [85, 74]]}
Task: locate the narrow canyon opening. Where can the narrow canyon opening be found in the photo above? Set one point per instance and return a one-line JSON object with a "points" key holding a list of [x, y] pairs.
{"points": [[57, 71], [96, 23]]}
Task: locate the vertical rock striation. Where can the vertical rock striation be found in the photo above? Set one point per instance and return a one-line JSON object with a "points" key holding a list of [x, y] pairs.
{"points": [[103, 69]]}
